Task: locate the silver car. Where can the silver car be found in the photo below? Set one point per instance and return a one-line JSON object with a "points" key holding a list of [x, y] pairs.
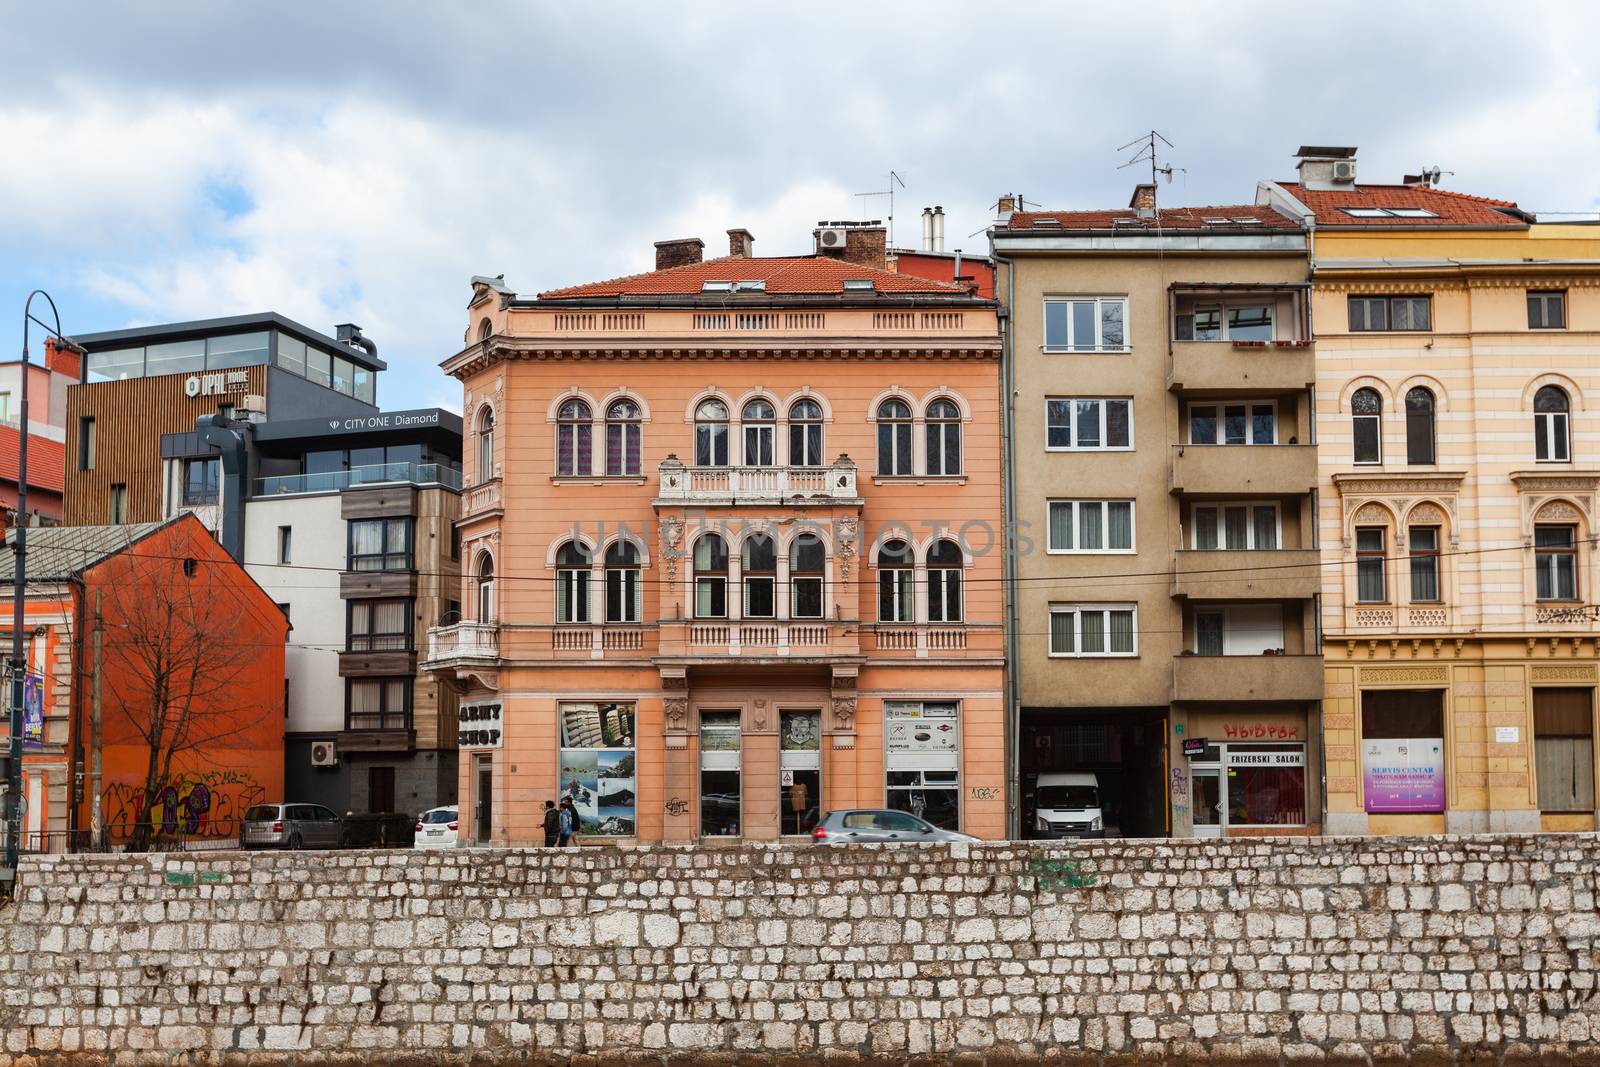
{"points": [[879, 824], [291, 826]]}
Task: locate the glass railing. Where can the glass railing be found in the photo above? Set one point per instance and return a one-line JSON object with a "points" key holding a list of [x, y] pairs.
{"points": [[372, 474]]}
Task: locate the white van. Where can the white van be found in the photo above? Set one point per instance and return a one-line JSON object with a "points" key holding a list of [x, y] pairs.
{"points": [[1067, 805]]}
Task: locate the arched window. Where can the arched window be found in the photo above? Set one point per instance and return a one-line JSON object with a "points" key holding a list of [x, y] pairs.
{"points": [[1551, 410], [896, 583], [805, 434], [486, 444], [1419, 426], [485, 329], [806, 558], [711, 577], [711, 434], [624, 601], [622, 438], [944, 582], [1366, 415], [894, 437], [759, 564], [944, 437], [572, 583], [760, 433], [574, 440], [486, 604]]}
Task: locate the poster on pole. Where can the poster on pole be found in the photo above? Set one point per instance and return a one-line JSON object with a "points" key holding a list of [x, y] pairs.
{"points": [[1404, 774], [32, 709]]}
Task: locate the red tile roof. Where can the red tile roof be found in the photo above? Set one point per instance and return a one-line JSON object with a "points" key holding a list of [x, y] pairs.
{"points": [[1450, 208], [1172, 218], [46, 460], [784, 275]]}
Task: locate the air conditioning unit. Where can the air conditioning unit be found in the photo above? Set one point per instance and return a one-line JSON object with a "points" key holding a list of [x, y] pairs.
{"points": [[324, 754], [832, 237], [1344, 170]]}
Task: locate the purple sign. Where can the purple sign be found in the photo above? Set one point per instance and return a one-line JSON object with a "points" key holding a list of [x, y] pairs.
{"points": [[33, 709], [1404, 774]]}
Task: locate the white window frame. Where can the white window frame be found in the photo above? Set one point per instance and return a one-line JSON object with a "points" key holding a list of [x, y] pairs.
{"points": [[1102, 402], [1232, 631], [1097, 301], [1250, 526], [1224, 306], [1105, 525], [1078, 610], [1552, 429], [1221, 406]]}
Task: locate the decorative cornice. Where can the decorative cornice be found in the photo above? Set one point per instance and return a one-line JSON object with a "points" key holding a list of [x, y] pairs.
{"points": [[1556, 481], [1422, 482]]}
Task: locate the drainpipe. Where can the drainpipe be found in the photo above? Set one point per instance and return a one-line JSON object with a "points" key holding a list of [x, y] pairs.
{"points": [[218, 430], [1013, 689]]}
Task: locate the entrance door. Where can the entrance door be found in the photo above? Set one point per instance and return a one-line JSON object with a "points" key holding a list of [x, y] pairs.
{"points": [[720, 805], [485, 798], [800, 771], [380, 790], [1206, 801]]}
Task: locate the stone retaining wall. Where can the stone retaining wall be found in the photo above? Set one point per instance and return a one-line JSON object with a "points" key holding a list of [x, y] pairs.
{"points": [[1263, 950]]}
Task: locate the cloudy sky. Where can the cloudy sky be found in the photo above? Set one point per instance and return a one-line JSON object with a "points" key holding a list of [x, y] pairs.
{"points": [[360, 161]]}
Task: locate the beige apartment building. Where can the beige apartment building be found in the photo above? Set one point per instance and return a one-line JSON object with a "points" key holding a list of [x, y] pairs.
{"points": [[1163, 470], [1458, 361]]}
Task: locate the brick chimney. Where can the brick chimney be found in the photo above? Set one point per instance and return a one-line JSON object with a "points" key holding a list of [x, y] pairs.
{"points": [[865, 244], [62, 360], [1144, 199], [679, 253], [741, 243]]}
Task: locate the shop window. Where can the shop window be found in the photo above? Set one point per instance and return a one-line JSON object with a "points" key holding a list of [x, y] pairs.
{"points": [[720, 805], [574, 440], [922, 742], [1402, 750], [1563, 749], [758, 565], [799, 771], [759, 420], [597, 765], [1266, 785], [805, 434]]}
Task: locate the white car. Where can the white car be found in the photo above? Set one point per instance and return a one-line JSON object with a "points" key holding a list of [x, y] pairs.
{"points": [[439, 828]]}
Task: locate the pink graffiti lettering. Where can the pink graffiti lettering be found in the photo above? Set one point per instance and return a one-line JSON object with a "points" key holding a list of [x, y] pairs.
{"points": [[1260, 731]]}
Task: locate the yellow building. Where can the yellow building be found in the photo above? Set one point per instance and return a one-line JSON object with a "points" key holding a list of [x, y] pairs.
{"points": [[1457, 356]]}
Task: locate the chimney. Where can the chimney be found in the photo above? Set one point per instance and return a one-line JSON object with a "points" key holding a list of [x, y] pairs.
{"points": [[679, 253], [741, 243], [927, 229], [1007, 205], [62, 360], [938, 228], [1144, 199], [866, 243], [1327, 167]]}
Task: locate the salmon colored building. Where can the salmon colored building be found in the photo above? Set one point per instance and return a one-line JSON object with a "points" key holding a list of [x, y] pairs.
{"points": [[732, 538], [164, 591]]}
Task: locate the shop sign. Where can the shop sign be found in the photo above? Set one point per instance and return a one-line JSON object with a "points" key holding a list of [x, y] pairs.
{"points": [[1261, 731], [1507, 735], [1195, 746], [216, 384], [924, 735], [33, 709], [1404, 774], [479, 726], [1292, 758]]}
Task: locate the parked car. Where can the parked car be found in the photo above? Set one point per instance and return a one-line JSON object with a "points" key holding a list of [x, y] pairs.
{"points": [[439, 828], [291, 826], [1068, 806], [855, 827]]}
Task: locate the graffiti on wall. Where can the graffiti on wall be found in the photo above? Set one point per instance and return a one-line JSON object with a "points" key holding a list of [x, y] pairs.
{"points": [[203, 804]]}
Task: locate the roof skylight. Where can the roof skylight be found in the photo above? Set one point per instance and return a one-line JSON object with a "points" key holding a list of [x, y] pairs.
{"points": [[857, 284], [756, 285], [716, 287]]}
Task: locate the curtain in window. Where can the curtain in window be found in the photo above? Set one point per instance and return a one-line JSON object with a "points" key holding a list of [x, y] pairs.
{"points": [[1208, 627], [1089, 533], [1236, 523], [1121, 631], [1205, 529], [1564, 749], [1093, 631], [389, 617], [1369, 581], [367, 539], [1062, 636], [1266, 528], [1061, 527], [1119, 525]]}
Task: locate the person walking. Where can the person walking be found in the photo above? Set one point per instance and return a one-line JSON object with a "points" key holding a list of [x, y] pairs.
{"points": [[552, 824], [568, 825]]}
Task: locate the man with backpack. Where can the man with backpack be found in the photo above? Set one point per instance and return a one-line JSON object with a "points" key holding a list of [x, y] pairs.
{"points": [[552, 824]]}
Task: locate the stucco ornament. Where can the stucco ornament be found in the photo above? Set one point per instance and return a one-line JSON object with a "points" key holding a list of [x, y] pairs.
{"points": [[677, 712], [671, 545], [848, 528], [844, 712]]}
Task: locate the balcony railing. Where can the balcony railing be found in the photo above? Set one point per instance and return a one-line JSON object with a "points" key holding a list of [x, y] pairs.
{"points": [[464, 642], [759, 638], [485, 496], [370, 474], [923, 639], [1278, 366], [1232, 679], [757, 485]]}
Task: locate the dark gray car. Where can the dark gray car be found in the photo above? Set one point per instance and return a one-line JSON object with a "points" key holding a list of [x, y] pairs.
{"points": [[291, 826], [879, 824]]}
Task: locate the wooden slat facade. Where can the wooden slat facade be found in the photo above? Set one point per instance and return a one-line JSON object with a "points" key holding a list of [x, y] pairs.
{"points": [[130, 417]]}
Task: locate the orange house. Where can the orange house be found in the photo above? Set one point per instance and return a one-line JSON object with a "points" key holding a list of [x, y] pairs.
{"points": [[733, 542], [175, 610]]}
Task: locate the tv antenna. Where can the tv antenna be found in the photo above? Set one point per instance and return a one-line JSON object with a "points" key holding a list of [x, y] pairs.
{"points": [[1147, 153], [889, 192]]}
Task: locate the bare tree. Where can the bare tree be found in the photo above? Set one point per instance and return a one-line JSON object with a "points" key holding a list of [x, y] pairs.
{"points": [[181, 637]]}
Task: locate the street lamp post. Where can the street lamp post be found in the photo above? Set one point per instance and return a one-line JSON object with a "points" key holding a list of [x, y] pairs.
{"points": [[13, 807]]}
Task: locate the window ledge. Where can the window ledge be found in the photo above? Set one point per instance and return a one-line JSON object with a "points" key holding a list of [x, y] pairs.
{"points": [[597, 479], [1085, 351], [919, 479]]}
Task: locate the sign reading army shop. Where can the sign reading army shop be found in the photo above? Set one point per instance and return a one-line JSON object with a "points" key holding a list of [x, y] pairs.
{"points": [[480, 726]]}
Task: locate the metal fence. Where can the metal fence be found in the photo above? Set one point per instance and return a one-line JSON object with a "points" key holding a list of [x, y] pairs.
{"points": [[112, 838]]}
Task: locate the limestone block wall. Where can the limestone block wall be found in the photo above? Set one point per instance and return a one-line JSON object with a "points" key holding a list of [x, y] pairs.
{"points": [[1309, 949]]}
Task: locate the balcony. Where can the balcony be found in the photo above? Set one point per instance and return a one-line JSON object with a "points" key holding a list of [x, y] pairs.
{"points": [[681, 484], [355, 477], [1217, 366], [1243, 470], [1231, 679], [481, 500], [1267, 574], [462, 644]]}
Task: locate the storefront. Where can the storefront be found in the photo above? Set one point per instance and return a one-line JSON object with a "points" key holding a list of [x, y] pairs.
{"points": [[1248, 774], [922, 760]]}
